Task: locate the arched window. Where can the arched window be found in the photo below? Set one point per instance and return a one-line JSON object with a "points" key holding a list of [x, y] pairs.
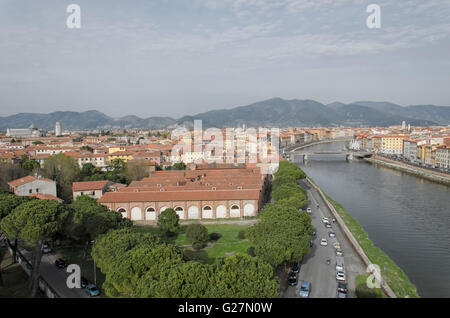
{"points": [[207, 208], [122, 210], [179, 209], [150, 209], [235, 207]]}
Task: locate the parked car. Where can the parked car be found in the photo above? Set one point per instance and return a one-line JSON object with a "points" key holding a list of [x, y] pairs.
{"points": [[341, 294], [328, 225], [339, 266], [305, 289], [295, 268], [84, 282], [331, 234], [292, 279], [325, 220], [342, 287], [340, 276], [46, 249], [308, 210], [323, 242], [337, 245], [92, 290], [339, 252], [60, 263]]}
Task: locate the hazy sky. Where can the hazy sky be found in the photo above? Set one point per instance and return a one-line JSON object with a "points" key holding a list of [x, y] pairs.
{"points": [[179, 57]]}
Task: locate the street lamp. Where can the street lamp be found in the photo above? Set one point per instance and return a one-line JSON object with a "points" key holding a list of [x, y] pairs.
{"points": [[95, 268]]}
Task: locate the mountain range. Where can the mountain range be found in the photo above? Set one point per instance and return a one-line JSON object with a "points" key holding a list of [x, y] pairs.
{"points": [[275, 112]]}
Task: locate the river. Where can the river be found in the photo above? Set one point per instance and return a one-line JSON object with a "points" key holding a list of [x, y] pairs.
{"points": [[405, 216]]}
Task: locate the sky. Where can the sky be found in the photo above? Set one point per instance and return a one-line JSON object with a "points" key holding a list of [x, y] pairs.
{"points": [[182, 57]]}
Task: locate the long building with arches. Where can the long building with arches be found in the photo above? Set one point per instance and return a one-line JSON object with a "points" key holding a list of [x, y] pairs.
{"points": [[193, 194]]}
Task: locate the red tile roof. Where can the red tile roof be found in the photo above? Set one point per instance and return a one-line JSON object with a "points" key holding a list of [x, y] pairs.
{"points": [[111, 197], [27, 179], [89, 185]]}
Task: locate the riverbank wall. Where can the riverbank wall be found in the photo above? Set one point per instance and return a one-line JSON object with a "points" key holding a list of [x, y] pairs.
{"points": [[395, 283], [430, 175]]}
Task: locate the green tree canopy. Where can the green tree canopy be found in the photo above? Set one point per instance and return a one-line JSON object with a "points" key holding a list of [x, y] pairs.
{"points": [[64, 170], [168, 221], [197, 233]]}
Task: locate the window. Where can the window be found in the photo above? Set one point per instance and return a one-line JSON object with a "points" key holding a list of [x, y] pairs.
{"points": [[179, 209], [30, 191], [235, 207], [37, 190], [150, 209], [207, 208]]}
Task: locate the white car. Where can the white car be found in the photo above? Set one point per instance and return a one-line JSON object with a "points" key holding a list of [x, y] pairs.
{"points": [[323, 242], [331, 234], [339, 267], [340, 276], [308, 210], [325, 220]]}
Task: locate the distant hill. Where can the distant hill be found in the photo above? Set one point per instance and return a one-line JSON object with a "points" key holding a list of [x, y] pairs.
{"points": [[275, 112]]}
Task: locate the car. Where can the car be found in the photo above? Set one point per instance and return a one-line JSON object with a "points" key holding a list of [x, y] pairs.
{"points": [[84, 282], [339, 252], [323, 242], [342, 287], [305, 289], [331, 234], [325, 220], [339, 266], [92, 290], [328, 225], [341, 294], [340, 276], [60, 263], [295, 268], [308, 210], [337, 245], [46, 249], [292, 279]]}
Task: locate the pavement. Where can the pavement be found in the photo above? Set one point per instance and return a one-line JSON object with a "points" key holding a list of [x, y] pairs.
{"points": [[314, 268]]}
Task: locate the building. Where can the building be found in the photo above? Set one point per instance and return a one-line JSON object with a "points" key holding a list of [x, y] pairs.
{"points": [[29, 132], [58, 129], [410, 150], [194, 194], [443, 157], [93, 189], [392, 144], [31, 185]]}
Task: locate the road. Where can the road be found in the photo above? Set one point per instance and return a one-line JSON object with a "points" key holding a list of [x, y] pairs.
{"points": [[56, 277], [314, 268]]}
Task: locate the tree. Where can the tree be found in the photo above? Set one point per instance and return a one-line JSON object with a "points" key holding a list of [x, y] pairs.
{"points": [[89, 219], [87, 148], [197, 233], [241, 276], [116, 171], [168, 221], [8, 172], [35, 221], [27, 164], [37, 142], [8, 202], [125, 257], [64, 170], [136, 170], [185, 280]]}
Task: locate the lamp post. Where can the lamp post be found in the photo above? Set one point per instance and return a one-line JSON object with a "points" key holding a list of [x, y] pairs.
{"points": [[95, 268]]}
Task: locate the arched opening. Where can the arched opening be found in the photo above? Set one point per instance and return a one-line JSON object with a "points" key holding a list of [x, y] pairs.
{"points": [[221, 212], [207, 212], [180, 212], [123, 211], [235, 211], [150, 214], [193, 212], [136, 214], [249, 210]]}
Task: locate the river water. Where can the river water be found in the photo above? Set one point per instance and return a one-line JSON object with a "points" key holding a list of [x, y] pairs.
{"points": [[405, 216]]}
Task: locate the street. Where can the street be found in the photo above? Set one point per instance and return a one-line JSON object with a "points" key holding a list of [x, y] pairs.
{"points": [[314, 268], [56, 277]]}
